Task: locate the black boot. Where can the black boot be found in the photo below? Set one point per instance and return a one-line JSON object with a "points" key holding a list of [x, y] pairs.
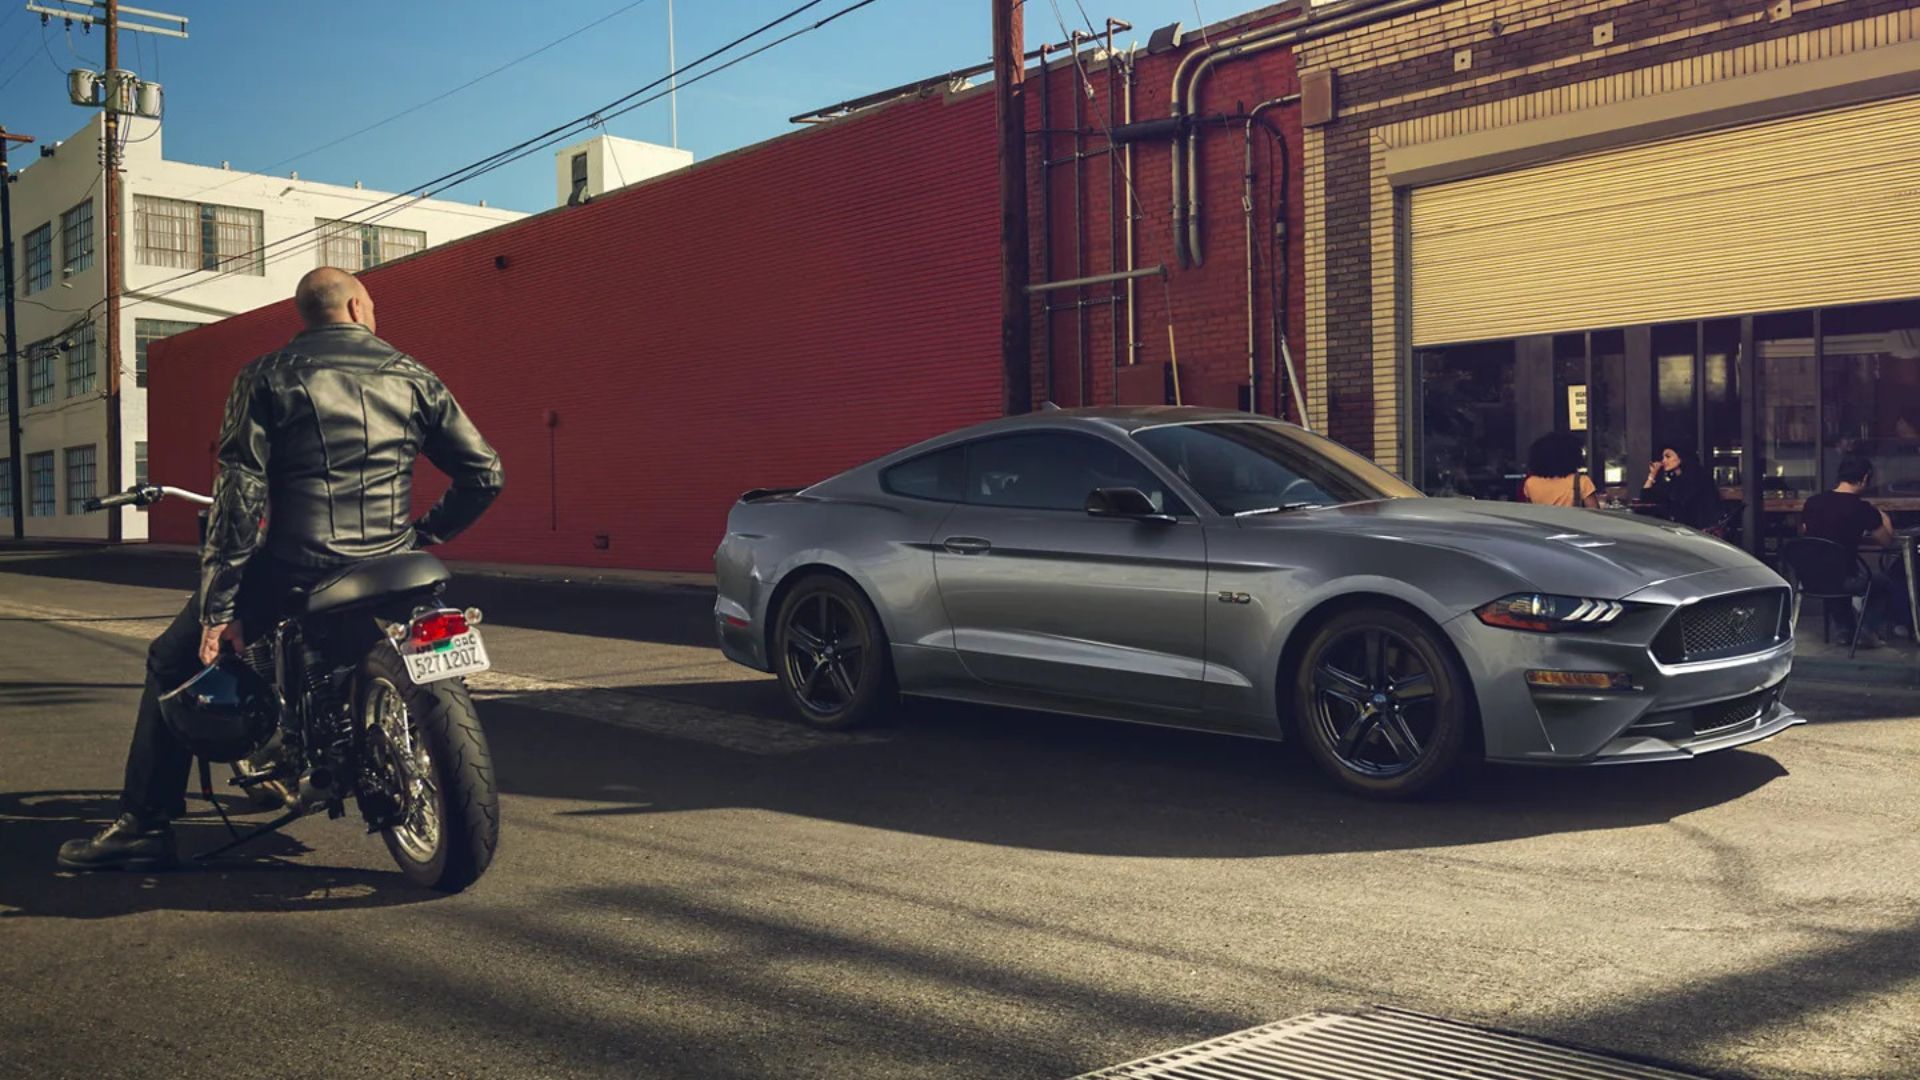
{"points": [[131, 843]]}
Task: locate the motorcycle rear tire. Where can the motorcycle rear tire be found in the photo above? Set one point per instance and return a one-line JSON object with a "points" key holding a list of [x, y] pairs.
{"points": [[469, 800]]}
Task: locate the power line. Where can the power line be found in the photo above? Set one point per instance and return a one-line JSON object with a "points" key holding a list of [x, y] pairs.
{"points": [[436, 98], [618, 107]]}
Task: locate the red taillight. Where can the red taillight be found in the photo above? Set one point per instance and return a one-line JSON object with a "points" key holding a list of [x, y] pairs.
{"points": [[437, 627]]}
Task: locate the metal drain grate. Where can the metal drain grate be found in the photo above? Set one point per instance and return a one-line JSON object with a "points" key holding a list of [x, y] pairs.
{"points": [[1380, 1044]]}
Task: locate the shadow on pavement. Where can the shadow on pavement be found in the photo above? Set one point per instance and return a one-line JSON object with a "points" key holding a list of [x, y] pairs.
{"points": [[1059, 784], [54, 695], [257, 878], [665, 615]]}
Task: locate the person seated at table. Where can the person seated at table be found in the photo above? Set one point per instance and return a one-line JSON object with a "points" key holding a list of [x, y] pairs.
{"points": [[1847, 519], [1680, 489], [1553, 473]]}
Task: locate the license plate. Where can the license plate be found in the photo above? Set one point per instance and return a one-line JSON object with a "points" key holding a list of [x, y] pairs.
{"points": [[463, 655]]}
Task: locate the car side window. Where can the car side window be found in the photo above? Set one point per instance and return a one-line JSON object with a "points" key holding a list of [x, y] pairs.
{"points": [[1056, 471], [941, 476]]}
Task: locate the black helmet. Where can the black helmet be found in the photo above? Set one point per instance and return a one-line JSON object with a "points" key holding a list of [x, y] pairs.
{"points": [[224, 713]]}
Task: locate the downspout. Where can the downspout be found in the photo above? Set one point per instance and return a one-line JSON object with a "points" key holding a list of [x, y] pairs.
{"points": [[1276, 274], [1133, 321], [1246, 207], [1185, 104]]}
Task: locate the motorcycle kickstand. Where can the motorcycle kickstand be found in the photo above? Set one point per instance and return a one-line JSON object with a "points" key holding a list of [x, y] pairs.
{"points": [[275, 825]]}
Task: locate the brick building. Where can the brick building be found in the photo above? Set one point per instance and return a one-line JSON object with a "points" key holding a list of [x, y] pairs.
{"points": [[1690, 222], [775, 315]]}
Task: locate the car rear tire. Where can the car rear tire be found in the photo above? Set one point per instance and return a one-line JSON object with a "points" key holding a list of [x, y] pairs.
{"points": [[1383, 706], [832, 656]]}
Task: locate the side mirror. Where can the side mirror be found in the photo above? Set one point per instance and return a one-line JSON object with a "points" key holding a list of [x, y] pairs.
{"points": [[1131, 503]]}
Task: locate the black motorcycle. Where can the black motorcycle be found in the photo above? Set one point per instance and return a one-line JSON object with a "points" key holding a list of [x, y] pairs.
{"points": [[365, 698]]}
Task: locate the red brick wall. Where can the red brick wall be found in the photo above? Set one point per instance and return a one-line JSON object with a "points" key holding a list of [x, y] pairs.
{"points": [[1206, 304], [779, 314], [767, 318]]}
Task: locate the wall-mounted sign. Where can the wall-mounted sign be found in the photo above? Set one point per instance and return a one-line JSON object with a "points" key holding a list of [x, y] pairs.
{"points": [[1577, 407]]}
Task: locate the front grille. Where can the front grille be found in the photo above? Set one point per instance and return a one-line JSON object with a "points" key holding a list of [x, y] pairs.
{"points": [[1723, 627], [1718, 718], [1726, 715]]}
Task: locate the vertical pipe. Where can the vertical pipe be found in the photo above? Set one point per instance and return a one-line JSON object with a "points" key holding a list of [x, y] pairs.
{"points": [[110, 185], [1114, 195], [1126, 172], [1046, 218], [1010, 104], [1700, 436], [1079, 226], [16, 489], [1246, 214]]}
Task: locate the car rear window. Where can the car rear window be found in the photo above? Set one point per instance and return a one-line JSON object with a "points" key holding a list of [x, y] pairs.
{"points": [[941, 475]]}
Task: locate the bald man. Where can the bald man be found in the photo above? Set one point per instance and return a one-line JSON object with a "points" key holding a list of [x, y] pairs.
{"points": [[318, 444]]}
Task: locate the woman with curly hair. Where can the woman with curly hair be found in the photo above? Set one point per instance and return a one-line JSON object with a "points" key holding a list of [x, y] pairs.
{"points": [[1553, 474]]}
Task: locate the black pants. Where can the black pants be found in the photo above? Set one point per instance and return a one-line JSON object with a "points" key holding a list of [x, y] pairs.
{"points": [[157, 763]]}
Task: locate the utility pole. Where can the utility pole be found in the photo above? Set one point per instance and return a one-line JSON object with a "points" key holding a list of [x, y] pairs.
{"points": [[1010, 106], [110, 188], [13, 339], [124, 93], [673, 75]]}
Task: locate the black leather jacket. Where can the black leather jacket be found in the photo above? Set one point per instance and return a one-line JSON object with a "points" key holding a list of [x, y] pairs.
{"points": [[325, 432]]}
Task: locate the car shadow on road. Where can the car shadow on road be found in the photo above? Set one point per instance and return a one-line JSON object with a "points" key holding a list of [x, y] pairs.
{"points": [[257, 878], [1029, 780]]}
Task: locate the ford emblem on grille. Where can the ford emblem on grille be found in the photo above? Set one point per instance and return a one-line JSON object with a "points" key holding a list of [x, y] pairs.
{"points": [[1741, 617]]}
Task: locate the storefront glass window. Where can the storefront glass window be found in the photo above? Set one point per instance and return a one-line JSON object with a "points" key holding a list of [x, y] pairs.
{"points": [[1870, 379], [1674, 421], [1721, 367], [1790, 402], [1607, 411], [1469, 420]]}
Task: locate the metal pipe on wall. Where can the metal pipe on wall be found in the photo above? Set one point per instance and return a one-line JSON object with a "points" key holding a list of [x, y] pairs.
{"points": [[1113, 213], [1185, 90], [1046, 218], [1126, 110], [1079, 224]]}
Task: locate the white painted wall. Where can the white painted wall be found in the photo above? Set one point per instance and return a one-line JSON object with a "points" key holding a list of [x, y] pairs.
{"points": [[50, 186], [614, 163]]}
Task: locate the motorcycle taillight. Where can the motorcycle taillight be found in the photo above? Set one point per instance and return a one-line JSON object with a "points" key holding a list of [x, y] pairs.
{"points": [[437, 627]]}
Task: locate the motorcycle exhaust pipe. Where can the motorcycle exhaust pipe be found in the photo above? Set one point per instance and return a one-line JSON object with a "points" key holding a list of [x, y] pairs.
{"points": [[316, 789]]}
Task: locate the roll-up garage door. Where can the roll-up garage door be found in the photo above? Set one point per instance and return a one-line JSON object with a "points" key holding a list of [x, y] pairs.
{"points": [[1812, 210]]}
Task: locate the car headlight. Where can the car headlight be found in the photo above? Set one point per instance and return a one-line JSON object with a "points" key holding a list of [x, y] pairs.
{"points": [[1546, 614]]}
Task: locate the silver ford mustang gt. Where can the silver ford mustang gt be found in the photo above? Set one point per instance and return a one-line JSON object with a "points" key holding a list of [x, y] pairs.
{"points": [[1220, 571]]}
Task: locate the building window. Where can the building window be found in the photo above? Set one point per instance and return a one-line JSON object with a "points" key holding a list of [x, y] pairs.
{"points": [[6, 489], [198, 236], [354, 247], [40, 373], [80, 485], [148, 331], [40, 484], [39, 257], [82, 362], [140, 465], [76, 238]]}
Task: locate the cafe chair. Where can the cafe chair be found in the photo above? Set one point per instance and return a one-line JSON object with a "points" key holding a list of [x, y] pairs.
{"points": [[1825, 571]]}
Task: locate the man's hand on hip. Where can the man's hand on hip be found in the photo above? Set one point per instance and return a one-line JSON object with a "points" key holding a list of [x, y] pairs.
{"points": [[212, 636]]}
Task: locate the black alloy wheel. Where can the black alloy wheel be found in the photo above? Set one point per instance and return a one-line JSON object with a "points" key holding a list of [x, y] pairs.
{"points": [[1381, 704], [833, 655]]}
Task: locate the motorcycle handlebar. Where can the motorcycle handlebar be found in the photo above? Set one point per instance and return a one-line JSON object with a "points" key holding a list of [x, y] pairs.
{"points": [[145, 496]]}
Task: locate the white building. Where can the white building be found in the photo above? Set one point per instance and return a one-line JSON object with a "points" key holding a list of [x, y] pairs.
{"points": [[196, 244]]}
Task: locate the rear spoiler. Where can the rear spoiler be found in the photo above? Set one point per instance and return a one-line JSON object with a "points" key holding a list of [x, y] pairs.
{"points": [[758, 494]]}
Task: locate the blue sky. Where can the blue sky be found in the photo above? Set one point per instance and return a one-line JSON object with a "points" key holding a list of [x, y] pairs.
{"points": [[260, 82]]}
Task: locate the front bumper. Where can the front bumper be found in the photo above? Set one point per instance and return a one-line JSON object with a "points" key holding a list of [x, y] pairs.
{"points": [[1673, 712]]}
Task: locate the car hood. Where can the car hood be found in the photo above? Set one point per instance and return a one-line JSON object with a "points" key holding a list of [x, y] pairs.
{"points": [[1601, 554]]}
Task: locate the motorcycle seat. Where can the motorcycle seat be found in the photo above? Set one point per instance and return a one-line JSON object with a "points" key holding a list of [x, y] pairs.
{"points": [[360, 583]]}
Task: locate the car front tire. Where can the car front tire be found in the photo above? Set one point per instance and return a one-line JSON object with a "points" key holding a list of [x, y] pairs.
{"points": [[1382, 704]]}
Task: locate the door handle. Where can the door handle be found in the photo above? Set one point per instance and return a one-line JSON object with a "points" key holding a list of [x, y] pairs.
{"points": [[966, 545]]}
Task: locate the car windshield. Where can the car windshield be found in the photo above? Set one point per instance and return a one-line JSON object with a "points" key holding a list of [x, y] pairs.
{"points": [[1250, 467]]}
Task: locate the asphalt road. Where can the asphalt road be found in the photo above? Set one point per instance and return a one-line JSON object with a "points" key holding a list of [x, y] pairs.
{"points": [[690, 886]]}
